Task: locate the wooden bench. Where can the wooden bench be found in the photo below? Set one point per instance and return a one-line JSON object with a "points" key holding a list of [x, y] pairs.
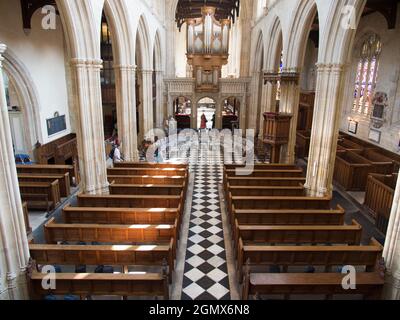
{"points": [[26, 218], [113, 233], [289, 217], [151, 165], [120, 215], [136, 189], [303, 138], [264, 173], [252, 235], [283, 202], [379, 193], [50, 170], [127, 201], [170, 172], [63, 179], [98, 284], [327, 256], [115, 255], [45, 196], [261, 191], [265, 182], [380, 163], [350, 145], [164, 180], [263, 166], [369, 284], [351, 171]]}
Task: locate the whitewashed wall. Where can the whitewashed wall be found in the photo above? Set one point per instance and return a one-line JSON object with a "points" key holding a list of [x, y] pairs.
{"points": [[42, 53], [388, 81]]}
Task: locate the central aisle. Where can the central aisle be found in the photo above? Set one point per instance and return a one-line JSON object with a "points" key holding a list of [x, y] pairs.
{"points": [[206, 273]]}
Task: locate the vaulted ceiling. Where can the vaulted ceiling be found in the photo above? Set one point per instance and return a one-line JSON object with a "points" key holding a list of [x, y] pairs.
{"points": [[192, 9]]}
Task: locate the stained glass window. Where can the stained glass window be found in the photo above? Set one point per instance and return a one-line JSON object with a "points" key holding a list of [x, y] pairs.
{"points": [[278, 87], [367, 73]]}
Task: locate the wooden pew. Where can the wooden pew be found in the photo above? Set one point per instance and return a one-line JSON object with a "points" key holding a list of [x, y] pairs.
{"points": [[264, 173], [263, 166], [265, 182], [26, 218], [164, 180], [327, 256], [63, 179], [127, 201], [289, 217], [151, 165], [45, 196], [120, 215], [116, 255], [350, 145], [351, 171], [252, 235], [97, 284], [116, 234], [258, 191], [379, 197], [50, 170], [380, 163], [136, 189], [146, 171], [283, 202], [369, 284], [303, 138]]}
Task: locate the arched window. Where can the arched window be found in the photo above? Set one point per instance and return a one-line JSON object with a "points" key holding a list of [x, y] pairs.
{"points": [[367, 73]]}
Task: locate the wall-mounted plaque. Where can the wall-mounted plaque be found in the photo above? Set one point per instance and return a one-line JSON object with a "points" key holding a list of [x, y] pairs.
{"points": [[56, 125], [375, 136], [353, 126]]}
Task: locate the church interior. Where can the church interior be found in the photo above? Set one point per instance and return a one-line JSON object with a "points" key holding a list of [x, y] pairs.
{"points": [[199, 150]]}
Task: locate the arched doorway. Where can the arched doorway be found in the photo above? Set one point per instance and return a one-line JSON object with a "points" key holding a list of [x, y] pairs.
{"points": [[230, 113], [207, 107], [183, 112]]}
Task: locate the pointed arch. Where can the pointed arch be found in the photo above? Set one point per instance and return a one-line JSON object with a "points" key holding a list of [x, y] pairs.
{"points": [[299, 31], [145, 50], [274, 45], [26, 90]]}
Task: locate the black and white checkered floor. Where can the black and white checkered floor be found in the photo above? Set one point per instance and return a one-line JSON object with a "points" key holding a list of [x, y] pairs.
{"points": [[205, 272]]}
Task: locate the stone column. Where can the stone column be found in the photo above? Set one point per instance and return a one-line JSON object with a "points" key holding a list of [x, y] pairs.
{"points": [[290, 99], [147, 118], [255, 99], [325, 130], [391, 251], [89, 127], [14, 251], [159, 99], [125, 83]]}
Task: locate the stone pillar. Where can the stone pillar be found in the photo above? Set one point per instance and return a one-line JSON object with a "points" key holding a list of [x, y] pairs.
{"points": [[89, 127], [194, 115], [255, 99], [290, 99], [325, 130], [14, 251], [125, 83], [170, 106], [159, 99], [391, 251], [146, 115]]}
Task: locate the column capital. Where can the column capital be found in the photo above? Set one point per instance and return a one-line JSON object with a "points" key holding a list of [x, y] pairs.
{"points": [[80, 62], [144, 71], [326, 67], [3, 49], [127, 67]]}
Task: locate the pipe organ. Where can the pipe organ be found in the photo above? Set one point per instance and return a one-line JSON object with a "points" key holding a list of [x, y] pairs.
{"points": [[207, 48]]}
